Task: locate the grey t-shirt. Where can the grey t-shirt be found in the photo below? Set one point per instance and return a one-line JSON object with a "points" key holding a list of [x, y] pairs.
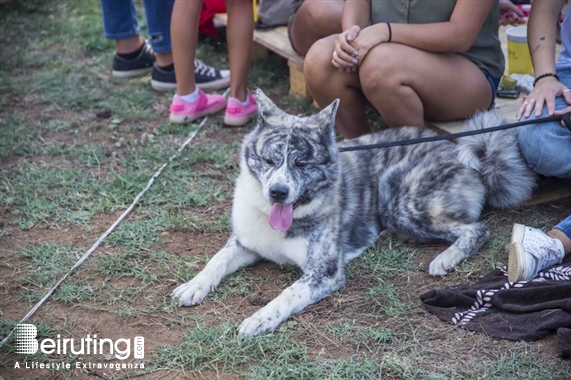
{"points": [[486, 52]]}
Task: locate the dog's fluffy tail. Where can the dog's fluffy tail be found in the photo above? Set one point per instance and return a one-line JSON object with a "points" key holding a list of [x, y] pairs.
{"points": [[497, 157]]}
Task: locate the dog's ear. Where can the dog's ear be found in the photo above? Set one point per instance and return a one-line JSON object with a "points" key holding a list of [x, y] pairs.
{"points": [[328, 113], [326, 117], [267, 109]]}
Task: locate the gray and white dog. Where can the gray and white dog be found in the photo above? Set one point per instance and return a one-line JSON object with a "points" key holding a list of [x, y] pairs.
{"points": [[298, 200]]}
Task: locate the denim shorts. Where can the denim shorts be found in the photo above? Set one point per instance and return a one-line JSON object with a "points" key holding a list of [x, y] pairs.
{"points": [[494, 83]]}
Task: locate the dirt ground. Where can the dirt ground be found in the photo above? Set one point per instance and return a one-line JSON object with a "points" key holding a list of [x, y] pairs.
{"points": [[268, 281], [125, 304]]}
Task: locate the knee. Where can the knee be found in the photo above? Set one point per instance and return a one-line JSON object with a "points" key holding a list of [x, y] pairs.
{"points": [[543, 147], [317, 63], [379, 71], [530, 145]]}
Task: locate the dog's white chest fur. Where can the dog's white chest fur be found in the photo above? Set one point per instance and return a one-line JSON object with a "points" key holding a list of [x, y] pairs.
{"points": [[250, 224]]}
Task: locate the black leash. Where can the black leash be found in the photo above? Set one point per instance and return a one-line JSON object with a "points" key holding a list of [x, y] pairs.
{"points": [[565, 117]]}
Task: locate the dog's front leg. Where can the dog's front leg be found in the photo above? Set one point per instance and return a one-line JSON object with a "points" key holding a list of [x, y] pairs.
{"points": [[471, 238], [310, 288], [228, 260]]}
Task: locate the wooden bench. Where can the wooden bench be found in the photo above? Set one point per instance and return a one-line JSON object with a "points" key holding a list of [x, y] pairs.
{"points": [[506, 107], [548, 189], [277, 41]]}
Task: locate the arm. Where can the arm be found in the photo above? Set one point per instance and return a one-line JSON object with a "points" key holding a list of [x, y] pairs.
{"points": [[510, 13], [355, 17], [541, 33], [456, 35], [356, 13]]}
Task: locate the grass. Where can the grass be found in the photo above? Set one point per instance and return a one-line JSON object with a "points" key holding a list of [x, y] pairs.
{"points": [[76, 146], [47, 264], [278, 356]]}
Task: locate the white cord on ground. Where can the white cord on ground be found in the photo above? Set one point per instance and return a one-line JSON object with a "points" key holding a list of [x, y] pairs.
{"points": [[109, 230]]}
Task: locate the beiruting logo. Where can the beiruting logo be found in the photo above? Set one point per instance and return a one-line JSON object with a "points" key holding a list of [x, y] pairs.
{"points": [[27, 343]]}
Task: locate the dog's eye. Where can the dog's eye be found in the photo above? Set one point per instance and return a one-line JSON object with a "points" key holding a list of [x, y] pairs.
{"points": [[269, 161], [300, 164]]}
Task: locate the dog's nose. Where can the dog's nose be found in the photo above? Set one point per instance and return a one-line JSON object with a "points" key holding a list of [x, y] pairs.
{"points": [[279, 193]]}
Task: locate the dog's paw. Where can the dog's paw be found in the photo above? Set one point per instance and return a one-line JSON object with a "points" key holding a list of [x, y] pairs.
{"points": [[445, 261], [191, 293], [438, 267], [256, 325]]}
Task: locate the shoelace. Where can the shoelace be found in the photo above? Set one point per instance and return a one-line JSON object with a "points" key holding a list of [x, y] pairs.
{"points": [[202, 69], [148, 48], [550, 258]]}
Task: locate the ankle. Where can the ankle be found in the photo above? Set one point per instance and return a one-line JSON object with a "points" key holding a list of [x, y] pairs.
{"points": [[191, 97], [164, 59], [129, 45], [169, 68], [240, 95], [562, 238]]}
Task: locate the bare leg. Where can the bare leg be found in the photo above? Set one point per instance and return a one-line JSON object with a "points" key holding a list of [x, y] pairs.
{"points": [[184, 37], [408, 85], [128, 45], [164, 59], [326, 84], [239, 34], [315, 19], [559, 235]]}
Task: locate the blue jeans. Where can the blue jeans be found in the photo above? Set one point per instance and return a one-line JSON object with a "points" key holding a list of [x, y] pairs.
{"points": [[494, 83], [120, 21], [565, 226], [547, 146]]}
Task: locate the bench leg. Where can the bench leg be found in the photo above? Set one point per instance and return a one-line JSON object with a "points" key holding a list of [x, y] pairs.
{"points": [[259, 52], [297, 84]]}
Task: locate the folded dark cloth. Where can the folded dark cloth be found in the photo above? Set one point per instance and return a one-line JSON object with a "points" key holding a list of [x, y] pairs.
{"points": [[524, 310], [564, 342]]}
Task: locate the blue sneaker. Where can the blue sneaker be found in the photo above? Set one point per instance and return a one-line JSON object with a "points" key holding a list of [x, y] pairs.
{"points": [[208, 78], [129, 68]]}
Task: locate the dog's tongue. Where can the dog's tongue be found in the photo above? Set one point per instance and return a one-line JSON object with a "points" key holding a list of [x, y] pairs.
{"points": [[281, 217]]}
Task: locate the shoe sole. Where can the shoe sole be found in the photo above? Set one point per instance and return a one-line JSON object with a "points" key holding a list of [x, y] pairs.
{"points": [[162, 86], [210, 86], [131, 73], [238, 122], [187, 119], [215, 84], [516, 268]]}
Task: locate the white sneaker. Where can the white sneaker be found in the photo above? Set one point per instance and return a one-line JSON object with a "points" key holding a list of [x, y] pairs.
{"points": [[532, 250]]}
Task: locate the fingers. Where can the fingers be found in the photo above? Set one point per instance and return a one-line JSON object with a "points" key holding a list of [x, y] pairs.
{"points": [[563, 111], [542, 96], [352, 33], [343, 56], [534, 106], [527, 108], [567, 96], [343, 61]]}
